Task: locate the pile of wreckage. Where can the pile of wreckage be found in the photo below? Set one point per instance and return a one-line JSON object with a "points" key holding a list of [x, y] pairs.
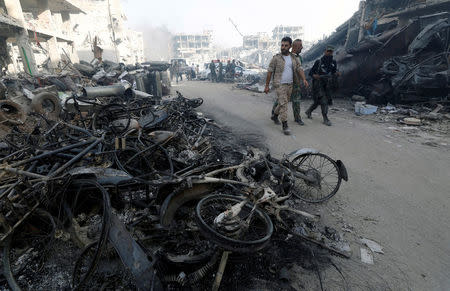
{"points": [[104, 186], [393, 51]]}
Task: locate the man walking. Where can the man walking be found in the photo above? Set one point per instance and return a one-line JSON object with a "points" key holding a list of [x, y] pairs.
{"points": [[212, 68], [176, 70], [283, 67], [233, 70], [220, 73], [297, 47], [323, 72]]}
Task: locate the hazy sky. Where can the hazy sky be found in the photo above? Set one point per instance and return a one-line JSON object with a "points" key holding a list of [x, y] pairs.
{"points": [[318, 17]]}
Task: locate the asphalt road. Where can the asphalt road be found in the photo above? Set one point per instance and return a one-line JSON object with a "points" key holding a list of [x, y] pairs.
{"points": [[398, 194]]}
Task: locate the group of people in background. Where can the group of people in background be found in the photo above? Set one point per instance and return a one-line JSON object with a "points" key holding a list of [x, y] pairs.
{"points": [[218, 74], [289, 82], [177, 71]]}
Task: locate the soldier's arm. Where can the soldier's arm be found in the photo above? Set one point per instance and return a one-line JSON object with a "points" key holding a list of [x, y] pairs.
{"points": [[270, 71], [335, 70], [299, 70], [314, 70], [268, 78], [303, 77]]}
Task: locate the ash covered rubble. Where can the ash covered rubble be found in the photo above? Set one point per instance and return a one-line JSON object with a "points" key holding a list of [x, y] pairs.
{"points": [[393, 51], [104, 186]]}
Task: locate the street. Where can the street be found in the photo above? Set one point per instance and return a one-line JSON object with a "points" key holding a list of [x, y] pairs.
{"points": [[397, 194]]}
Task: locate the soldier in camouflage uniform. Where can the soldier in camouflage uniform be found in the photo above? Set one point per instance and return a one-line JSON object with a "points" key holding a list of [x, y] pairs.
{"points": [[297, 47], [284, 67]]}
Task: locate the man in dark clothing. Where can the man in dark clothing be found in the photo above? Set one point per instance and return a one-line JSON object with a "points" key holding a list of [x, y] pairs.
{"points": [[212, 68], [323, 72], [220, 74], [228, 67], [233, 69]]}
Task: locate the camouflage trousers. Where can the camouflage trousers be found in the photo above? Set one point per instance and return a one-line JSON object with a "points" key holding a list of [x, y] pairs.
{"points": [[284, 92], [295, 98]]}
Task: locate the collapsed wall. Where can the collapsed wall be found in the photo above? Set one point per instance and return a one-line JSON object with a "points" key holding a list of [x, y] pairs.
{"points": [[392, 51]]}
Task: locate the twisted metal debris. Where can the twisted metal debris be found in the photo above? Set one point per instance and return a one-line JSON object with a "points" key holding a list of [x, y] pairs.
{"points": [[115, 188]]}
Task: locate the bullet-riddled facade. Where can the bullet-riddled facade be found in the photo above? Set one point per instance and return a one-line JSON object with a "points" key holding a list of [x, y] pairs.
{"points": [[45, 34], [36, 33], [294, 32], [188, 45], [105, 20]]}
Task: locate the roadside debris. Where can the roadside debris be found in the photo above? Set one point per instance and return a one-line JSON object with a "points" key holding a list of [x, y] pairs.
{"points": [[366, 256], [411, 121], [373, 246], [392, 51], [105, 185], [361, 108]]}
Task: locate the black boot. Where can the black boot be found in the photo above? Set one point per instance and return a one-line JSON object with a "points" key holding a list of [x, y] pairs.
{"points": [[324, 108], [286, 129], [308, 114], [300, 121], [275, 118]]}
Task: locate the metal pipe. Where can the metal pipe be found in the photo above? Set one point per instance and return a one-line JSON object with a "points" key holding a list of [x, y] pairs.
{"points": [[77, 157], [141, 94], [50, 153], [219, 274], [105, 91], [25, 173]]}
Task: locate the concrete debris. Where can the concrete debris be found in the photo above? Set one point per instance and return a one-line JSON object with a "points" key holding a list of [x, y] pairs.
{"points": [[373, 246], [106, 182], [366, 256], [412, 121], [392, 51], [361, 108]]}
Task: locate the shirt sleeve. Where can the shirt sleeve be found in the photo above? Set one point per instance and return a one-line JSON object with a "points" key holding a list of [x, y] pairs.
{"points": [[298, 65], [334, 69], [314, 69], [272, 65]]}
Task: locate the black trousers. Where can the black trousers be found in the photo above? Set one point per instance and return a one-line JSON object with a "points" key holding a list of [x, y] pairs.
{"points": [[321, 96]]}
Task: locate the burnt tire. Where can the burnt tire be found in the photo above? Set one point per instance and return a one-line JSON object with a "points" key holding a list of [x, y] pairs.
{"points": [[47, 104], [85, 68], [252, 240], [58, 83], [11, 113]]}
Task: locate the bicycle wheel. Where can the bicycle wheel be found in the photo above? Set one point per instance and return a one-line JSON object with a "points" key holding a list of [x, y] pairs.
{"points": [[243, 233], [321, 167]]}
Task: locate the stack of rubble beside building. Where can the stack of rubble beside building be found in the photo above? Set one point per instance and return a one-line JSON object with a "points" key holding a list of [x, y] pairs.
{"points": [[393, 51]]}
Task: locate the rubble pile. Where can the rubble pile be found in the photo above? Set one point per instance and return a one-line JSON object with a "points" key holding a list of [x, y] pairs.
{"points": [[103, 186], [258, 57], [393, 51], [255, 84], [428, 122]]}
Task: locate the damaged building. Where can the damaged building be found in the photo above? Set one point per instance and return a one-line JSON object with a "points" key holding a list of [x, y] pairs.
{"points": [[280, 31], [195, 47], [38, 35], [119, 43], [393, 51], [260, 40]]}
